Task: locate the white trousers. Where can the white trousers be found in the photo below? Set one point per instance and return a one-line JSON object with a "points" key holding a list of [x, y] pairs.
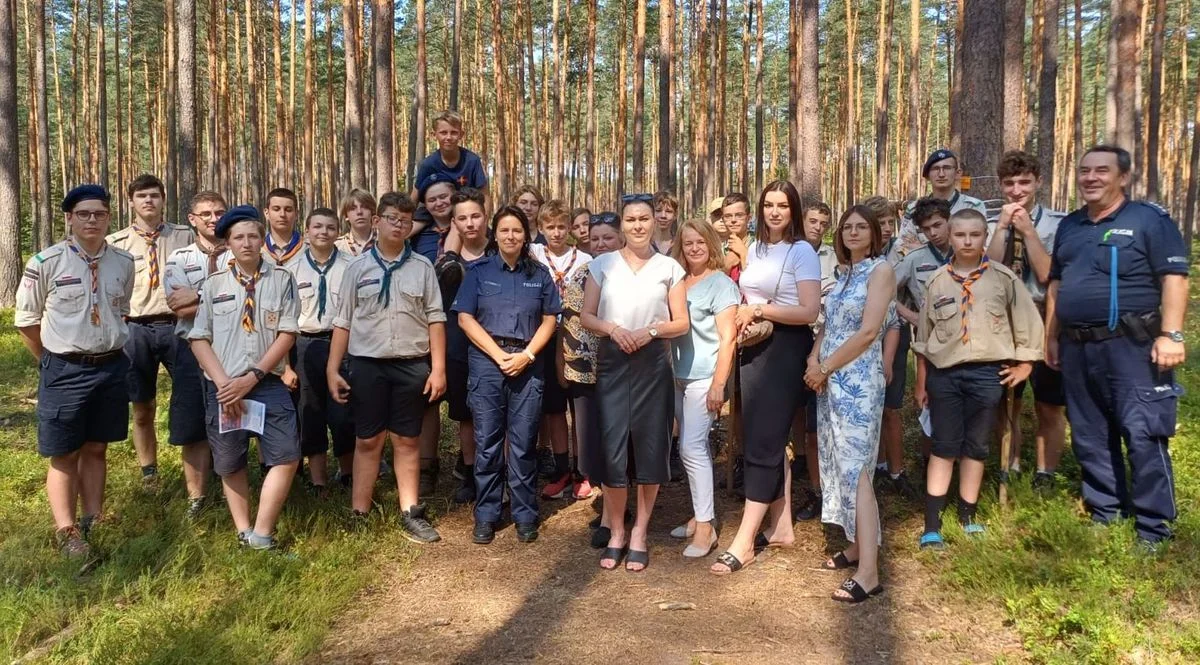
{"points": [[695, 420]]}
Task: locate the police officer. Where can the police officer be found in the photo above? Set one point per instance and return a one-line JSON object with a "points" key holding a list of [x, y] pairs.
{"points": [[186, 270], [70, 312], [507, 307], [943, 173], [1115, 311], [152, 338], [319, 285], [245, 325]]}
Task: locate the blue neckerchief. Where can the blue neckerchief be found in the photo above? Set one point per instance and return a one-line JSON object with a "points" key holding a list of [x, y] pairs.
{"points": [[321, 272], [385, 282], [282, 254], [942, 260]]}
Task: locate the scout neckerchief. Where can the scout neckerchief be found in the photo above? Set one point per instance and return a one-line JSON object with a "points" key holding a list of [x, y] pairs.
{"points": [[954, 200], [560, 276], [284, 254], [937, 256], [248, 283], [151, 238], [322, 270], [385, 282], [442, 232], [213, 253], [355, 247], [968, 298], [93, 264]]}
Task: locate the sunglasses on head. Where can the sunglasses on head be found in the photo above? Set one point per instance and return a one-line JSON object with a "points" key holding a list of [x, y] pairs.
{"points": [[609, 218], [636, 198]]}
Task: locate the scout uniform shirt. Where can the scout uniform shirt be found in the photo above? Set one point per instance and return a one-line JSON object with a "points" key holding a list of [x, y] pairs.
{"points": [[915, 271], [1045, 222], [352, 247], [187, 268], [992, 319], [240, 344], [287, 255], [959, 201], [392, 322], [149, 298], [77, 314], [315, 318]]}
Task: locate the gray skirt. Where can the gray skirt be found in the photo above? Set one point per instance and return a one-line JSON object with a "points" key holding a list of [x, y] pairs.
{"points": [[636, 397]]}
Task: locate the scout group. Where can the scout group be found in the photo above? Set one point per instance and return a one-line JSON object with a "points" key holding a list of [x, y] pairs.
{"points": [[352, 326]]}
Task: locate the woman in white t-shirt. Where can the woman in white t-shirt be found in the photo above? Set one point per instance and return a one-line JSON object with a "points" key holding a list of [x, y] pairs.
{"points": [[634, 300], [781, 283]]}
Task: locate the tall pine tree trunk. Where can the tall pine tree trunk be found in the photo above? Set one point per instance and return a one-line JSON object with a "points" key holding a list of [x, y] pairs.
{"points": [[384, 16], [310, 103], [914, 97], [185, 22], [982, 93], [810, 114], [639, 96], [1122, 67], [883, 93], [758, 96], [102, 96], [592, 172], [502, 179], [45, 213], [1048, 95], [356, 173], [10, 160], [1156, 84], [666, 116], [1014, 72]]}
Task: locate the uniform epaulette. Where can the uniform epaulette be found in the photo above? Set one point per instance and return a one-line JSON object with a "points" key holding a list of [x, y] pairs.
{"points": [[1158, 208], [121, 252], [179, 227], [120, 235], [48, 253]]}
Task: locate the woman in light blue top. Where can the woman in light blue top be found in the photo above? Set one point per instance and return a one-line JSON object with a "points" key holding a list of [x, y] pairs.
{"points": [[703, 361]]}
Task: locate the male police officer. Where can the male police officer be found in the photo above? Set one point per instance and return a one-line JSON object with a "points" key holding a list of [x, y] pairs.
{"points": [[1115, 310], [70, 312], [943, 172], [152, 338]]}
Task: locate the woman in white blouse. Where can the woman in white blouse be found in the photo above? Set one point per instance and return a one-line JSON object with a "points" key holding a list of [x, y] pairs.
{"points": [[634, 300], [781, 283]]}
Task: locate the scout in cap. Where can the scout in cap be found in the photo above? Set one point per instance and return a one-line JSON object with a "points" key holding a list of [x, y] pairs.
{"points": [[152, 339], [186, 270], [390, 321], [358, 211], [943, 172], [284, 243], [71, 309], [245, 325], [319, 285]]}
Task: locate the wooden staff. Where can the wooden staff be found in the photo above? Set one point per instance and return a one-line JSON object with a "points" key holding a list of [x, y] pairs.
{"points": [[1015, 259]]}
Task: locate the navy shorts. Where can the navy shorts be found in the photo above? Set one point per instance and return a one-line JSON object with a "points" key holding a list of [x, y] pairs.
{"points": [[278, 444], [554, 395], [963, 400], [456, 391], [149, 345], [893, 397], [1047, 385], [80, 404], [320, 416], [387, 394]]}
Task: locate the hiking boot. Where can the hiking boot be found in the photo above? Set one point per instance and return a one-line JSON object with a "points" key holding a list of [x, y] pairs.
{"points": [[483, 533], [466, 490], [195, 507], [150, 483], [902, 486], [71, 544], [1043, 482], [809, 508], [582, 489], [559, 489], [415, 527], [528, 532], [428, 479]]}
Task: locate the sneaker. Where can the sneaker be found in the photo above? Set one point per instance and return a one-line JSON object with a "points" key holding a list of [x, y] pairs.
{"points": [[415, 527], [904, 487], [483, 533], [1044, 482], [428, 479], [243, 537], [195, 507], [582, 489], [466, 490], [528, 532], [460, 467], [810, 507], [1150, 549], [71, 544], [150, 483], [932, 541], [546, 467], [261, 543], [974, 529], [559, 489]]}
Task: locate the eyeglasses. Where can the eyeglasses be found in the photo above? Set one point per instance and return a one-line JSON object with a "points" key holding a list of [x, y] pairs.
{"points": [[209, 214], [636, 198], [395, 221], [943, 168], [608, 218], [90, 215]]}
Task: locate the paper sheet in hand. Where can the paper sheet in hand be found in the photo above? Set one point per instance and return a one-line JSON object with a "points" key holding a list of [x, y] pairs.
{"points": [[254, 416], [926, 422]]}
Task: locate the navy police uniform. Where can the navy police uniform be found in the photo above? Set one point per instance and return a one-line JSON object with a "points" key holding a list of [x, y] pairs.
{"points": [[509, 304], [1109, 293]]}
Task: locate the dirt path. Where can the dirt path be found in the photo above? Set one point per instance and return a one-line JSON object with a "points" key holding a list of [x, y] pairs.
{"points": [[549, 602]]}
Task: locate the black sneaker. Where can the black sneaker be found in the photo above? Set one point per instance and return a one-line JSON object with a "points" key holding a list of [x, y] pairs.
{"points": [[810, 506], [428, 479], [1043, 482], [466, 490], [546, 467], [528, 532], [483, 533], [904, 487], [415, 527]]}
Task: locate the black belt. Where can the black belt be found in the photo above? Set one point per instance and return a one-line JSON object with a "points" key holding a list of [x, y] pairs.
{"points": [[147, 320], [90, 358], [510, 343], [1084, 334], [324, 334]]}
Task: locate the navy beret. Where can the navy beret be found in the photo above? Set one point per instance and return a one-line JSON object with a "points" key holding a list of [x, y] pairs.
{"points": [[233, 216], [935, 157], [430, 180], [84, 193]]}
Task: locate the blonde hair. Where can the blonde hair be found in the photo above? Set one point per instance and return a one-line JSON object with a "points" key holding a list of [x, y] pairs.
{"points": [[359, 196], [716, 255], [452, 118], [553, 210]]}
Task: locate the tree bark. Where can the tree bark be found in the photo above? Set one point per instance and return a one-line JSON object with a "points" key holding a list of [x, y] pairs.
{"points": [[10, 160], [883, 80], [810, 114], [502, 181], [310, 102], [914, 97], [1048, 95], [185, 28], [592, 172], [742, 154], [356, 174], [1156, 84], [1014, 72], [278, 148], [384, 16], [639, 96], [455, 58], [983, 94], [1077, 93], [1189, 209], [797, 120], [102, 96], [956, 91], [420, 95], [256, 162], [1122, 68], [758, 96], [666, 115], [45, 213]]}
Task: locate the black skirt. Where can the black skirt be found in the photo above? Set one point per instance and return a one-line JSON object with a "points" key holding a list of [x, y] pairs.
{"points": [[772, 382], [636, 397]]}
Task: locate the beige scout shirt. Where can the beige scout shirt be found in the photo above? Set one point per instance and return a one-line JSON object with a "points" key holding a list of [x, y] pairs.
{"points": [[147, 301], [352, 247], [1003, 323], [187, 268], [219, 317], [56, 293], [308, 282], [400, 330]]}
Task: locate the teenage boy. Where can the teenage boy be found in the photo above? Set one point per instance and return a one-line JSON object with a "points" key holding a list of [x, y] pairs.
{"points": [[284, 243], [735, 214], [1023, 240], [318, 278], [943, 173], [152, 339], [244, 328], [666, 221], [563, 261], [451, 160], [391, 323], [71, 309], [979, 333], [358, 211], [186, 270]]}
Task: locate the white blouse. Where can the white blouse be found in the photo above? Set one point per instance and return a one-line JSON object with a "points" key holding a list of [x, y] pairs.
{"points": [[772, 271], [631, 299]]}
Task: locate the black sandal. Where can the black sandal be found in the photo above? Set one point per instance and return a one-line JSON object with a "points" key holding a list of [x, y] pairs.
{"points": [[729, 560], [857, 593], [637, 556], [614, 553], [761, 543], [839, 562]]}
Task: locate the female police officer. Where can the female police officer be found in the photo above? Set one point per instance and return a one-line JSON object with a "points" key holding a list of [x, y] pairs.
{"points": [[507, 306]]}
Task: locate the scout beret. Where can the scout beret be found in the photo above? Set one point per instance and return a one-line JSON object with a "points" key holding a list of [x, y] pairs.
{"points": [[233, 216], [84, 193], [935, 157], [430, 180]]}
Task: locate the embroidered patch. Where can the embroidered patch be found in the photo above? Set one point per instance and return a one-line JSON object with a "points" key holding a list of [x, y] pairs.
{"points": [[1177, 259], [532, 285], [223, 297], [1118, 232], [272, 319], [192, 268], [944, 300], [926, 267], [304, 285], [67, 281], [367, 282], [31, 273]]}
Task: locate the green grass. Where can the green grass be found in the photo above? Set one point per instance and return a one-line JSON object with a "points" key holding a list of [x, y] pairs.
{"points": [[167, 591], [1076, 593]]}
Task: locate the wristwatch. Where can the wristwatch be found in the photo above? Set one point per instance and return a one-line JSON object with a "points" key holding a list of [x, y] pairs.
{"points": [[1173, 335], [259, 375], [653, 332], [529, 354], [824, 369], [758, 313]]}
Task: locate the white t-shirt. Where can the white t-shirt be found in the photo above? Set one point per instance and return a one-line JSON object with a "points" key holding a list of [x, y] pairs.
{"points": [[634, 300], [566, 265], [798, 261]]}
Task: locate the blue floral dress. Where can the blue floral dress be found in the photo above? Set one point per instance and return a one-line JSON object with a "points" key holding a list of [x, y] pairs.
{"points": [[851, 407]]}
